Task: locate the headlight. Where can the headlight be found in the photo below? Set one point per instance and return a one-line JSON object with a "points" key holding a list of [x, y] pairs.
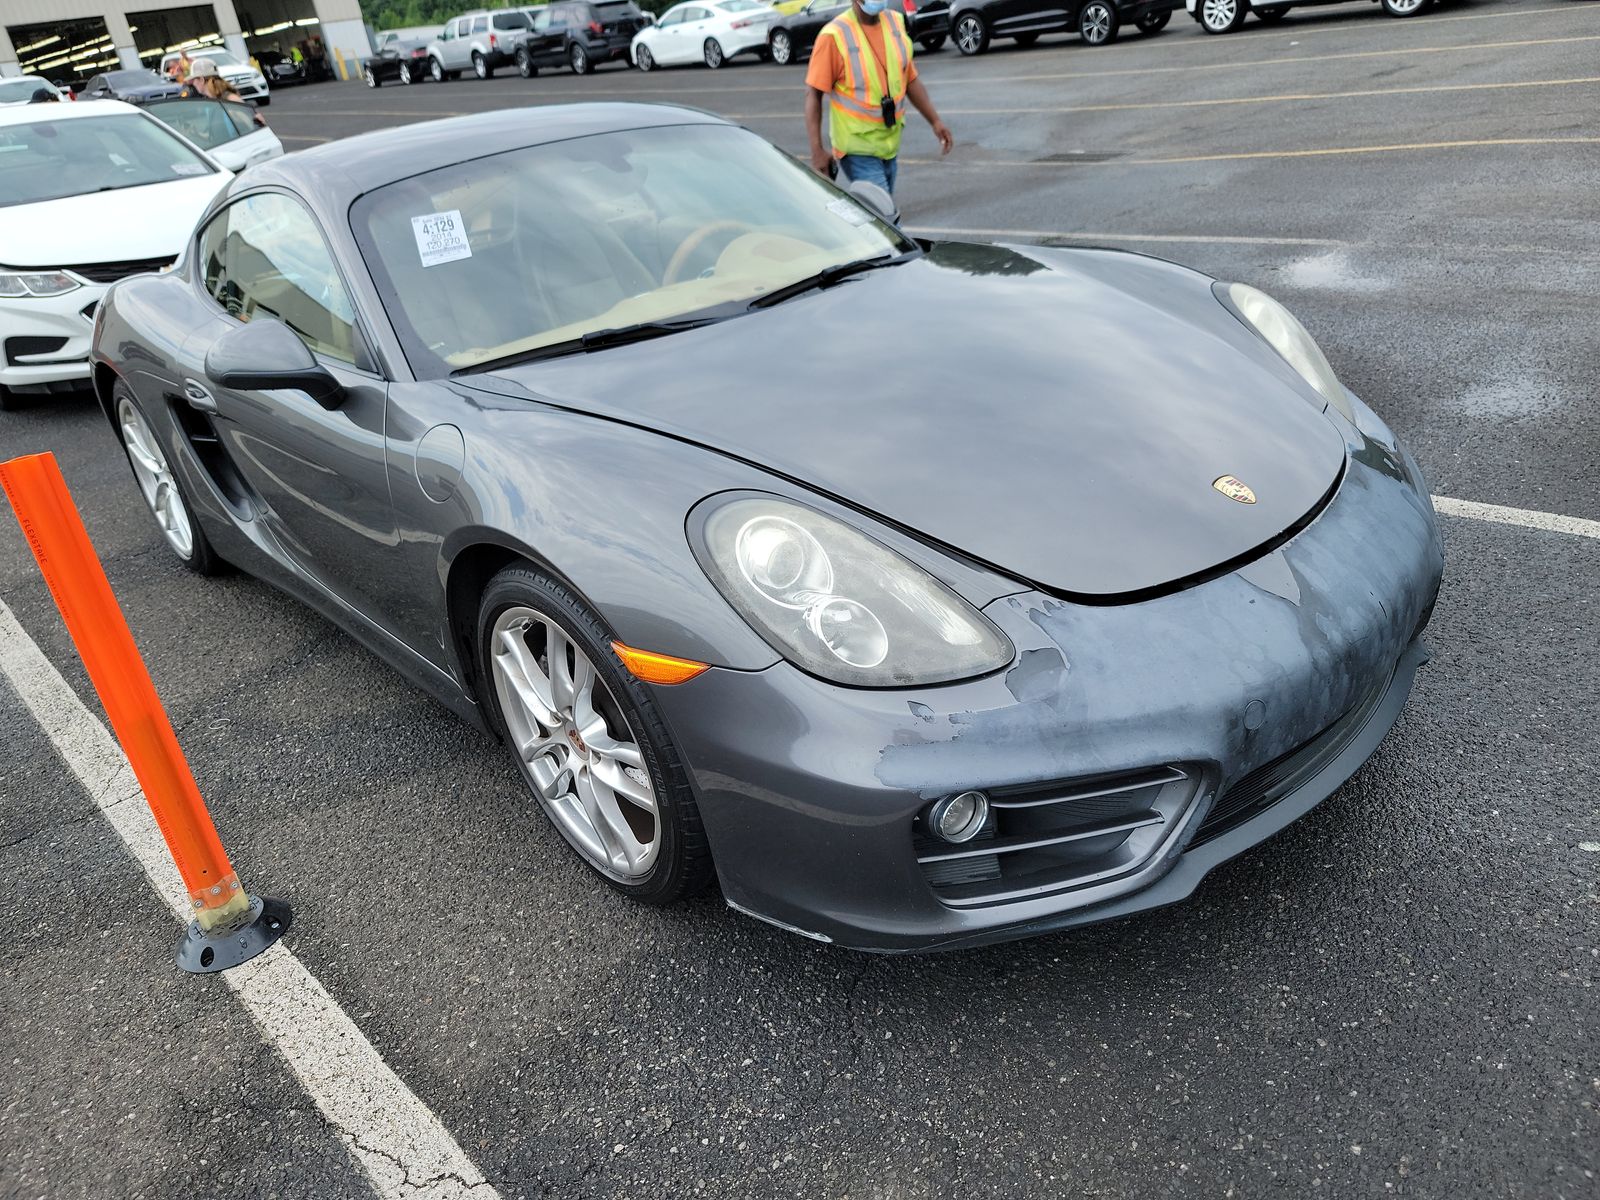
{"points": [[1279, 329], [839, 605], [36, 283]]}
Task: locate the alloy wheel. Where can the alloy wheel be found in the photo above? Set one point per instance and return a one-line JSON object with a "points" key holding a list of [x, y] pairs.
{"points": [[405, 72], [480, 66], [1219, 15], [1403, 8], [969, 35], [1095, 24], [645, 59], [436, 69], [155, 480], [580, 60], [371, 77], [713, 50], [574, 745], [782, 48]]}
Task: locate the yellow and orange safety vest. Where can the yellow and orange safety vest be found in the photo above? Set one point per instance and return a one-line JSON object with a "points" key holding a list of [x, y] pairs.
{"points": [[855, 116]]}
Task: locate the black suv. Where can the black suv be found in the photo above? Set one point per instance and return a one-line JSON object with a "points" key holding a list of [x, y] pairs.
{"points": [[580, 35], [974, 23]]}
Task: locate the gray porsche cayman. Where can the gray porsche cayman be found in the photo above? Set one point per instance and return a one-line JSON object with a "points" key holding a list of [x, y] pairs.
{"points": [[922, 594]]}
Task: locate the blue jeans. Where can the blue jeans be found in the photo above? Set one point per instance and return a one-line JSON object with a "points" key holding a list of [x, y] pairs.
{"points": [[880, 171]]}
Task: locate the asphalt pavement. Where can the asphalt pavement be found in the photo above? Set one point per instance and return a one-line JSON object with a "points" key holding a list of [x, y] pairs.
{"points": [[1395, 996]]}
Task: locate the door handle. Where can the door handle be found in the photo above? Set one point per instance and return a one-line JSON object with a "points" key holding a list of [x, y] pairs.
{"points": [[199, 397]]}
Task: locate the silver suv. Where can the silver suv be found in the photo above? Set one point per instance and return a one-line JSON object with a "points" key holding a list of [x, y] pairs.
{"points": [[477, 41]]}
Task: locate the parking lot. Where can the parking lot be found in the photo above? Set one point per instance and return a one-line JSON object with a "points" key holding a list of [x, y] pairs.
{"points": [[1395, 996]]}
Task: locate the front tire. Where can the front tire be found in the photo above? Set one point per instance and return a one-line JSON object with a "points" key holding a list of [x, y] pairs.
{"points": [[1404, 8], [579, 58], [1222, 16], [405, 74], [644, 60], [782, 47], [525, 64], [436, 70], [971, 33], [713, 53], [481, 67], [371, 77], [163, 494], [587, 738], [1098, 22]]}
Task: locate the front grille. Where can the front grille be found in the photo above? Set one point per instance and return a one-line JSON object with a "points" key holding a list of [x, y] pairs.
{"points": [[110, 272], [18, 348], [1059, 836], [1258, 791]]}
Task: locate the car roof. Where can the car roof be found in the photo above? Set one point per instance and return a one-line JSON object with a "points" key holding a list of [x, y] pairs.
{"points": [[27, 114], [333, 174]]}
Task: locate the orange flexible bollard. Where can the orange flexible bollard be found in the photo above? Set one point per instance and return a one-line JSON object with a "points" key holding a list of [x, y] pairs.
{"points": [[227, 920]]}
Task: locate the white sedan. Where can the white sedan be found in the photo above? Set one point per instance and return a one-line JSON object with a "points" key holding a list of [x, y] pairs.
{"points": [[89, 193], [708, 31], [22, 89]]}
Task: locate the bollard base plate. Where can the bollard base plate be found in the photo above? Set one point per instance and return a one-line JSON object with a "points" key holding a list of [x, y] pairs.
{"points": [[204, 951]]}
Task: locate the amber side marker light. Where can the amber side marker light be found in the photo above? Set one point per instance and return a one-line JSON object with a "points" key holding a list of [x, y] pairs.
{"points": [[658, 668]]}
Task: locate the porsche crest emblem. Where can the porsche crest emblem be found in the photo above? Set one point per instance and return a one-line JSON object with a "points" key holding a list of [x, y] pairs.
{"points": [[1234, 489]]}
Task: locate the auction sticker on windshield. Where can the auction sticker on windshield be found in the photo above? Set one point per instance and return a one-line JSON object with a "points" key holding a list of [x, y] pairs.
{"points": [[441, 237]]}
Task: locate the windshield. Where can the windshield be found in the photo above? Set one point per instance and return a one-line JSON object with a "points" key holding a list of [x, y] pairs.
{"points": [[206, 123], [222, 58], [739, 5], [504, 254], [15, 91], [46, 160]]}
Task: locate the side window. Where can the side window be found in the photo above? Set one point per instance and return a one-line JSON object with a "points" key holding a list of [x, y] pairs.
{"points": [[264, 256], [479, 24], [541, 20], [671, 18], [464, 27]]}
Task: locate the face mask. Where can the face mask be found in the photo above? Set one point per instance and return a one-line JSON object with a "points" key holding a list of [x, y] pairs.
{"points": [[873, 7]]}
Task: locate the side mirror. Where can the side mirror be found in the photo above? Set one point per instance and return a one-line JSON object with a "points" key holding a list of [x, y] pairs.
{"points": [[266, 355], [875, 198]]}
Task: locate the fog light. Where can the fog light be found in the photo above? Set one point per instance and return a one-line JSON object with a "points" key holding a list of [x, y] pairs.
{"points": [[959, 818]]}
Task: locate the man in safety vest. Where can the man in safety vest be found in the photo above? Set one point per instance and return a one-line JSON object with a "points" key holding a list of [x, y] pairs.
{"points": [[861, 68]]}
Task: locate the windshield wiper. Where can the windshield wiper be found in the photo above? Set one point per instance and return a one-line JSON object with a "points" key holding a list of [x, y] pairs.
{"points": [[828, 277], [598, 339]]}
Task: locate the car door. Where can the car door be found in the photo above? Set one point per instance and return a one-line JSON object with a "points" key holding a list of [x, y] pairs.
{"points": [[314, 476], [663, 36], [692, 34], [459, 48]]}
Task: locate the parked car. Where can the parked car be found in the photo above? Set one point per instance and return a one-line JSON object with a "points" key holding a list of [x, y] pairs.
{"points": [[792, 38], [708, 31], [477, 41], [134, 86], [395, 57], [25, 89], [250, 83], [230, 131], [1042, 634], [89, 193], [1224, 16], [281, 70], [975, 24], [582, 36]]}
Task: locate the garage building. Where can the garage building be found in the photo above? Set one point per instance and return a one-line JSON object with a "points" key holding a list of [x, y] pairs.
{"points": [[70, 40]]}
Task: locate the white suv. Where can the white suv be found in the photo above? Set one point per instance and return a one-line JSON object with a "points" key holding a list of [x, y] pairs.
{"points": [[477, 41], [241, 77]]}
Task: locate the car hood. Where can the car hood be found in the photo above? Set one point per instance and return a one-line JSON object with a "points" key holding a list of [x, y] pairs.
{"points": [[1059, 415], [152, 221]]}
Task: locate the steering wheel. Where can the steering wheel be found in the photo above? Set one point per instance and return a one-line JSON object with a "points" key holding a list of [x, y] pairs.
{"points": [[686, 248]]}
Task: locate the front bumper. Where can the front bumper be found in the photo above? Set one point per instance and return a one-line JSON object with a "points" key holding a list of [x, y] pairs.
{"points": [[929, 23], [67, 320], [810, 792], [250, 87]]}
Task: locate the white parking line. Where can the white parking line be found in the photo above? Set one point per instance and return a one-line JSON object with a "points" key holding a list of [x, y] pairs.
{"points": [[1526, 517], [399, 1143]]}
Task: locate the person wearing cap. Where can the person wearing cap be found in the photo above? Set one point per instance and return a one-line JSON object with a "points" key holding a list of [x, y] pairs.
{"points": [[206, 84], [861, 65]]}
